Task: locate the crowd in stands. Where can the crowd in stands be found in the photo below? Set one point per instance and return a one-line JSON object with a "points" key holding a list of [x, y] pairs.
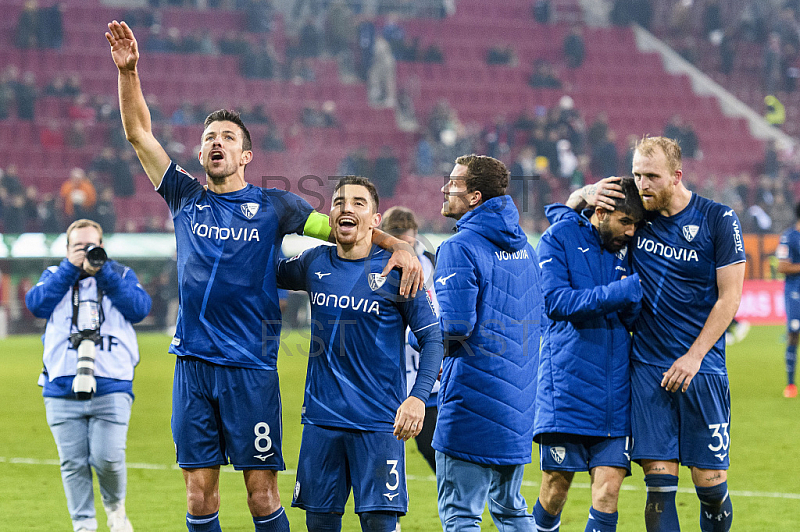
{"points": [[551, 151]]}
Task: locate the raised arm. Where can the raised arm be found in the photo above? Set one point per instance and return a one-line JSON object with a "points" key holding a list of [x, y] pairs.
{"points": [[132, 106]]}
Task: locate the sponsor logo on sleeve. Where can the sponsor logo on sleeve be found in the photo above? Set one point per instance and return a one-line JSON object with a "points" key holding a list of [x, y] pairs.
{"points": [[737, 238]]}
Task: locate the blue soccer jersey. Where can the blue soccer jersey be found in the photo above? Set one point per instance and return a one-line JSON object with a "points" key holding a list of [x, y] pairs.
{"points": [[789, 250], [677, 258], [356, 375], [228, 246]]}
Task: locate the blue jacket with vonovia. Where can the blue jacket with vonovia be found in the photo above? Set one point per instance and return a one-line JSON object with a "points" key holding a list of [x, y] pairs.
{"points": [[487, 283], [584, 376]]}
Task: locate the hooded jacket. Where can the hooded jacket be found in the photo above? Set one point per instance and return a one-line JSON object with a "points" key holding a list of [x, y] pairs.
{"points": [[487, 282], [584, 376]]}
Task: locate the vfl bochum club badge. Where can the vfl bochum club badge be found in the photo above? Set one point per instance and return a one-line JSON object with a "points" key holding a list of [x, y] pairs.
{"points": [[249, 209], [375, 280], [558, 454], [690, 231]]}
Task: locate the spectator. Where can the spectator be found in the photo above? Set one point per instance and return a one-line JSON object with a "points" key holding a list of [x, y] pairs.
{"points": [[51, 137], [206, 44], [542, 11], [433, 54], [574, 47], [122, 176], [259, 15], [79, 195], [381, 81], [73, 85], [14, 210], [356, 163], [626, 12], [544, 76], [712, 18], [775, 111], [567, 160], [773, 64], [424, 155], [26, 96], [183, 115], [47, 219], [259, 61], [28, 25], [598, 130], [234, 43], [340, 30], [604, 157], [7, 92], [273, 141], [366, 43], [105, 213], [51, 26], [310, 40], [156, 42], [499, 55], [76, 136], [771, 161], [395, 35], [386, 172], [498, 137], [727, 53], [56, 87], [525, 181], [684, 134], [80, 109]]}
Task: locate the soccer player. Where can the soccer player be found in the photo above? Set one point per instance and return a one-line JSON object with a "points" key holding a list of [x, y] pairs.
{"points": [[228, 235], [356, 411], [788, 254], [401, 223], [583, 398], [84, 301], [690, 257], [488, 284]]}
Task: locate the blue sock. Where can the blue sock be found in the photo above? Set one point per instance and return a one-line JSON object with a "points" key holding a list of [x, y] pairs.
{"points": [[660, 513], [545, 521], [378, 521], [601, 521], [323, 522], [274, 522], [203, 523], [791, 362], [716, 509]]}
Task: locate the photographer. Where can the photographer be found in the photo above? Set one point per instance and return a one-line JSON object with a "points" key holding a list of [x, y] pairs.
{"points": [[90, 304]]}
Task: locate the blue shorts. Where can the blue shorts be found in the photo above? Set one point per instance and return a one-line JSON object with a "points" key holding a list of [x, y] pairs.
{"points": [[573, 452], [692, 427], [332, 460], [222, 413], [792, 303]]}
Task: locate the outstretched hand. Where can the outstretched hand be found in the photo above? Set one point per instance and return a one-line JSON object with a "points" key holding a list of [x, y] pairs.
{"points": [[124, 48]]}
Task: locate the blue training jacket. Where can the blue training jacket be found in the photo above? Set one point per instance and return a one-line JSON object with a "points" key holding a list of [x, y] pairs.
{"points": [[584, 376], [488, 285]]}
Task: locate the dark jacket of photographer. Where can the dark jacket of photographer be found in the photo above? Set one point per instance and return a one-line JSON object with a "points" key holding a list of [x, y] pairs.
{"points": [[124, 302]]}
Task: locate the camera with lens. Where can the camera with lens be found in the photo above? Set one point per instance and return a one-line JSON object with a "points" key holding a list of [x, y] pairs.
{"points": [[96, 256]]}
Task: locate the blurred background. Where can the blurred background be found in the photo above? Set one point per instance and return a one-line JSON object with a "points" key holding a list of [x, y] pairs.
{"points": [[393, 90]]}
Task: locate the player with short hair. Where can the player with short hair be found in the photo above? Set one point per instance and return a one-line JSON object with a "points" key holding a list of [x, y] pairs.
{"points": [[690, 257], [788, 254], [488, 284], [88, 395], [228, 236], [401, 223], [357, 412], [583, 397]]}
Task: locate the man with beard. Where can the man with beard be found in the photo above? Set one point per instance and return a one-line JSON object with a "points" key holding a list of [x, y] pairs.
{"points": [[583, 397], [357, 412], [228, 238], [690, 257]]}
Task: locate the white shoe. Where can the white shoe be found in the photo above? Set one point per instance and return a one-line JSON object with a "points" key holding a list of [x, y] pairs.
{"points": [[117, 520]]}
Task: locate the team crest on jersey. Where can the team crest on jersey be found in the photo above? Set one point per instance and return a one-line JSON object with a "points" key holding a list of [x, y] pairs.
{"points": [[558, 454], [249, 209], [375, 280], [622, 252], [690, 231], [296, 490]]}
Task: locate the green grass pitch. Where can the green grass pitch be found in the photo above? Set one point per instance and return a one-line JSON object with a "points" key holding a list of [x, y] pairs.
{"points": [[764, 478]]}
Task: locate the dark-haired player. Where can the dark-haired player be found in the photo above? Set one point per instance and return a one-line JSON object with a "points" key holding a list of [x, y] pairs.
{"points": [[583, 400], [226, 399], [357, 413], [690, 257]]}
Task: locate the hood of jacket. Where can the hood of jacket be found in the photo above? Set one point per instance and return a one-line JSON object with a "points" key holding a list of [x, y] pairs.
{"points": [[497, 220]]}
